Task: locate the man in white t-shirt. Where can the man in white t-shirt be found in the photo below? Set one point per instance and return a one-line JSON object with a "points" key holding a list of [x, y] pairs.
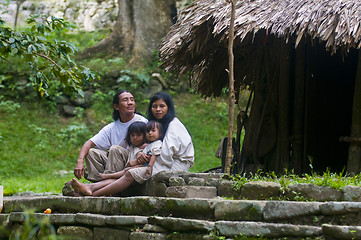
{"points": [[110, 153]]}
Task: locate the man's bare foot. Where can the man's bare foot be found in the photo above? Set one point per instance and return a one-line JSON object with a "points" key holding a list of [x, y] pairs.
{"points": [[81, 187], [105, 175]]}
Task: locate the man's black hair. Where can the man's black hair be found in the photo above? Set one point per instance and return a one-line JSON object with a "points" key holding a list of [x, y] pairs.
{"points": [[116, 115]]}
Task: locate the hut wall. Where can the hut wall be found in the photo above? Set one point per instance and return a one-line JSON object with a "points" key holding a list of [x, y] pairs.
{"points": [[302, 106], [329, 108]]}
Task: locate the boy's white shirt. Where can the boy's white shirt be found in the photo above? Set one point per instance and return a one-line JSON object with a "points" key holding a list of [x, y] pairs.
{"points": [[114, 133]]}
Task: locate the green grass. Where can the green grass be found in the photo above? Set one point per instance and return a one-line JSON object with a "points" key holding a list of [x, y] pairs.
{"points": [[39, 149], [35, 146], [207, 123]]}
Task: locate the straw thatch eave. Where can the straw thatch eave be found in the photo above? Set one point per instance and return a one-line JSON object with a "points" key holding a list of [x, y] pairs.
{"points": [[198, 41]]}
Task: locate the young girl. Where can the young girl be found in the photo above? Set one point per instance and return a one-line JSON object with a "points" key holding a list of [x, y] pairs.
{"points": [[136, 140], [142, 172], [154, 132]]}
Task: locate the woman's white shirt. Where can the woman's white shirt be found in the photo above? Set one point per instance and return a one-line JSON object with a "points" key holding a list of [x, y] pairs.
{"points": [[177, 147]]}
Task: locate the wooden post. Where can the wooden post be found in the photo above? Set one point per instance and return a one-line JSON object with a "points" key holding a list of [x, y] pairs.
{"points": [[283, 150], [298, 109], [231, 89], [354, 154]]}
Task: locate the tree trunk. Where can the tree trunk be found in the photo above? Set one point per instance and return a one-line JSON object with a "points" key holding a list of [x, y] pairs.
{"points": [[18, 4], [140, 26]]}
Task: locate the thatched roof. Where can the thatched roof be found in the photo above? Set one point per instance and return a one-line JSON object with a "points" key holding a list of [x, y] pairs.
{"points": [[198, 41]]}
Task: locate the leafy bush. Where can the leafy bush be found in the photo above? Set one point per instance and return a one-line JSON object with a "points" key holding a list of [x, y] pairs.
{"points": [[34, 228], [49, 60], [334, 180], [9, 106], [74, 134]]}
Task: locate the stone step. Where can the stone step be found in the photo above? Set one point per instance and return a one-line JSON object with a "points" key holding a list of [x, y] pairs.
{"points": [[81, 218], [96, 226], [299, 213], [191, 192]]}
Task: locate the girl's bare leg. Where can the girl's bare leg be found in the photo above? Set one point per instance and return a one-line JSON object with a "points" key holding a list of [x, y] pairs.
{"points": [[116, 186], [88, 189], [117, 174], [112, 175]]}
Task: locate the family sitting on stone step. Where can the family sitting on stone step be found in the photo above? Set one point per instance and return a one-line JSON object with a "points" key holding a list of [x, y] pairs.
{"points": [[131, 149]]}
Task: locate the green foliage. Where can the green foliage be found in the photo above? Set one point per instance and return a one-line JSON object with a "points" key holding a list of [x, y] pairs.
{"points": [[105, 65], [74, 133], [34, 228], [334, 180], [9, 107], [49, 60], [102, 105], [133, 79]]}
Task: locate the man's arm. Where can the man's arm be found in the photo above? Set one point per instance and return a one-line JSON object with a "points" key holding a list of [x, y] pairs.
{"points": [[79, 168]]}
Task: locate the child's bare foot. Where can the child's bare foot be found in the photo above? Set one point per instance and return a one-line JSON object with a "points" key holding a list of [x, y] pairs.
{"points": [[77, 194], [105, 175], [81, 187]]}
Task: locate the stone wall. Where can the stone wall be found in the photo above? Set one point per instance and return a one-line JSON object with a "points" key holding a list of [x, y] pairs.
{"points": [[88, 15], [185, 205], [179, 218]]}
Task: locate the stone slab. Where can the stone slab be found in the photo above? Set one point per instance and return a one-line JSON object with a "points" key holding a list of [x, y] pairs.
{"points": [[78, 232], [277, 210], [63, 204], [268, 230], [352, 193], [182, 224], [147, 236], [341, 232], [332, 208], [90, 219], [240, 210], [313, 192], [191, 192], [126, 220], [58, 219], [260, 190], [175, 207], [110, 234]]}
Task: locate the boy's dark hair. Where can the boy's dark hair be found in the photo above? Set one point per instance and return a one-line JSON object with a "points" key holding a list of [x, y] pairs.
{"points": [[153, 124], [135, 127]]}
